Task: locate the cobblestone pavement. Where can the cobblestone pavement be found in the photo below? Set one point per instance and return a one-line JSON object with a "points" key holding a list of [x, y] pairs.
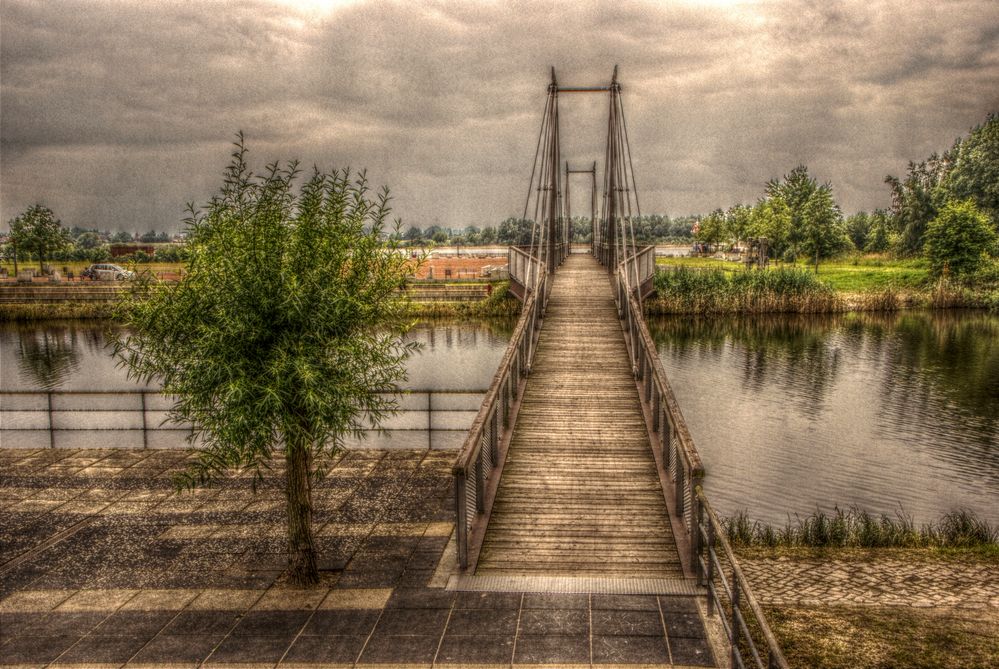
{"points": [[883, 581], [104, 564]]}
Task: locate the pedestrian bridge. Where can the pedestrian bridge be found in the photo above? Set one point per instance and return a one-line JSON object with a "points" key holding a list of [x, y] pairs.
{"points": [[578, 473]]}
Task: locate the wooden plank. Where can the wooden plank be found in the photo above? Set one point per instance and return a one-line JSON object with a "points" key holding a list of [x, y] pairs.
{"points": [[579, 493]]}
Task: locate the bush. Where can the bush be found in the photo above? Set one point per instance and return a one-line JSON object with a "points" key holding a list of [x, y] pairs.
{"points": [[958, 239]]}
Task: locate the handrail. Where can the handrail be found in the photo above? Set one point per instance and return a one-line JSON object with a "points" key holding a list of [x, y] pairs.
{"points": [[685, 471], [737, 590], [480, 455]]}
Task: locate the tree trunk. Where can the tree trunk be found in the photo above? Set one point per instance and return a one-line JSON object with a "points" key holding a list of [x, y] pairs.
{"points": [[302, 565]]}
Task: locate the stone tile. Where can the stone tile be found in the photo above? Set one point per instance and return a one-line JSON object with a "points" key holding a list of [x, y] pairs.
{"points": [[134, 623], [488, 600], [462, 651], [174, 649], [684, 625], [161, 600], [36, 649], [97, 600], [552, 650], [420, 622], [342, 622], [357, 598], [409, 650], [677, 604], [95, 650], [691, 651], [483, 622], [16, 624], [290, 599], [550, 600], [226, 600], [271, 623], [30, 601], [629, 650], [265, 650], [627, 623], [199, 622], [371, 579], [625, 602], [420, 598], [325, 650], [554, 621], [77, 622]]}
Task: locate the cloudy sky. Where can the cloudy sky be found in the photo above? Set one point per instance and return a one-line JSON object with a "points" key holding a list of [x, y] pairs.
{"points": [[117, 113]]}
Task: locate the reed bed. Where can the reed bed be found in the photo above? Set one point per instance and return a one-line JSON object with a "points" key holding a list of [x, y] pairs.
{"points": [[856, 528], [713, 291]]}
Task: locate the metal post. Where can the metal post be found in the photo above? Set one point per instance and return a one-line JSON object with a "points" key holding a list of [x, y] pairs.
{"points": [[461, 519], [145, 437], [51, 426], [735, 618], [709, 554]]}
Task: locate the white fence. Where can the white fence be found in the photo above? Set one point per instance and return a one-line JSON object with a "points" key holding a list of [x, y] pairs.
{"points": [[427, 419]]}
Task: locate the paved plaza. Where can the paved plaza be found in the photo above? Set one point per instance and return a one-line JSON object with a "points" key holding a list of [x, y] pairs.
{"points": [[105, 564]]}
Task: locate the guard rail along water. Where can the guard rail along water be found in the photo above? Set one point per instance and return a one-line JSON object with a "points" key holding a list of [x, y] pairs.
{"points": [[750, 638], [495, 420]]}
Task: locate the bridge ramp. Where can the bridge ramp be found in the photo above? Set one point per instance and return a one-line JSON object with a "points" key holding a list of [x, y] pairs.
{"points": [[580, 494]]}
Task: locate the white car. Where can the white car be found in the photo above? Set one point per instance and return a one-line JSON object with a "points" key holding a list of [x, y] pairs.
{"points": [[107, 272]]}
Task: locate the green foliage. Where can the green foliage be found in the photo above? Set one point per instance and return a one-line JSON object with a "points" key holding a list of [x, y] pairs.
{"points": [[283, 332], [38, 230], [712, 228], [974, 171], [958, 239]]}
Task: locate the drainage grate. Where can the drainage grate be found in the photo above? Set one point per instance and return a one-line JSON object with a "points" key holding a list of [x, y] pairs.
{"points": [[575, 584]]}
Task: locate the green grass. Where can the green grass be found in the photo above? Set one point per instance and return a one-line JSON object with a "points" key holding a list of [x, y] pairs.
{"points": [[704, 291], [848, 275]]}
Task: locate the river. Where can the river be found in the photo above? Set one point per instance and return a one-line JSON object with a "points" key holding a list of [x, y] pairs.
{"points": [[886, 412]]}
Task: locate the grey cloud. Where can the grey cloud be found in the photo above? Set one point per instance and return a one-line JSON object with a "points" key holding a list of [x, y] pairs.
{"points": [[117, 114]]}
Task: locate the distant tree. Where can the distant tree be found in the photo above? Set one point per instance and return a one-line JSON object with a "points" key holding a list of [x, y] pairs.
{"points": [[148, 237], [712, 229], [879, 233], [738, 220], [515, 231], [858, 226], [974, 169], [39, 231], [822, 233], [958, 239], [88, 240], [488, 235], [916, 200], [771, 219], [121, 237], [283, 333]]}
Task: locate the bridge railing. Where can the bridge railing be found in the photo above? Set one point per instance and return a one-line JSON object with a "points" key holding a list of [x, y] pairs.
{"points": [[688, 505], [481, 451], [523, 270]]}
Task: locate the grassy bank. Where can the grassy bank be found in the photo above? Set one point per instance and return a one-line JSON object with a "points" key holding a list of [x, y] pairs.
{"points": [[711, 286], [500, 303], [883, 637]]}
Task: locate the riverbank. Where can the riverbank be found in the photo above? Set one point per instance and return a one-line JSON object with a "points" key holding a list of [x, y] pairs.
{"points": [[715, 286], [457, 299]]}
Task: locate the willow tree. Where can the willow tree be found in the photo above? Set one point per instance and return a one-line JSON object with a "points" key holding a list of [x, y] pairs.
{"points": [[282, 337]]}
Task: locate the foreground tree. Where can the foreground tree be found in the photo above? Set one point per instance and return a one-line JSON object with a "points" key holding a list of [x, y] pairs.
{"points": [[958, 239], [38, 230], [282, 334]]}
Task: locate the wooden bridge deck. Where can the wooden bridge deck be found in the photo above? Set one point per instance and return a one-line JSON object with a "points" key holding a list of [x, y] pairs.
{"points": [[579, 493]]}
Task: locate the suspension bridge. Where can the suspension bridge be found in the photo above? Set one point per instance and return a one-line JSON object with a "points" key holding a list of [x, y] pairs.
{"points": [[579, 473]]}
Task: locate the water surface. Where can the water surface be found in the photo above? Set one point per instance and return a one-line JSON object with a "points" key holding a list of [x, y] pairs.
{"points": [[792, 413]]}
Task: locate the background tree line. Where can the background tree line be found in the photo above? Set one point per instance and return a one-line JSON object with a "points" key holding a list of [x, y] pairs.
{"points": [[946, 208]]}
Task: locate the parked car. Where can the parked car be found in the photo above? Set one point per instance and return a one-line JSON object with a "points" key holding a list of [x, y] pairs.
{"points": [[107, 272]]}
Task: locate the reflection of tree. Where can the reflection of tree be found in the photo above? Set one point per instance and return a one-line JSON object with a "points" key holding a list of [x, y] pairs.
{"points": [[792, 351], [48, 355], [947, 358], [925, 364]]}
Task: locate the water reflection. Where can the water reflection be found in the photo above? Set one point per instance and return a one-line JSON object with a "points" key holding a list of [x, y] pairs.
{"points": [[47, 357], [796, 412], [72, 355]]}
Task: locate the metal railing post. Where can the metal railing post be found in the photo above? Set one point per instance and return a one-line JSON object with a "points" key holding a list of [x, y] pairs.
{"points": [[736, 659]]}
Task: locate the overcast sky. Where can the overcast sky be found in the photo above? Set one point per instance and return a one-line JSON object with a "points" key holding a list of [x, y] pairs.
{"points": [[115, 114]]}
